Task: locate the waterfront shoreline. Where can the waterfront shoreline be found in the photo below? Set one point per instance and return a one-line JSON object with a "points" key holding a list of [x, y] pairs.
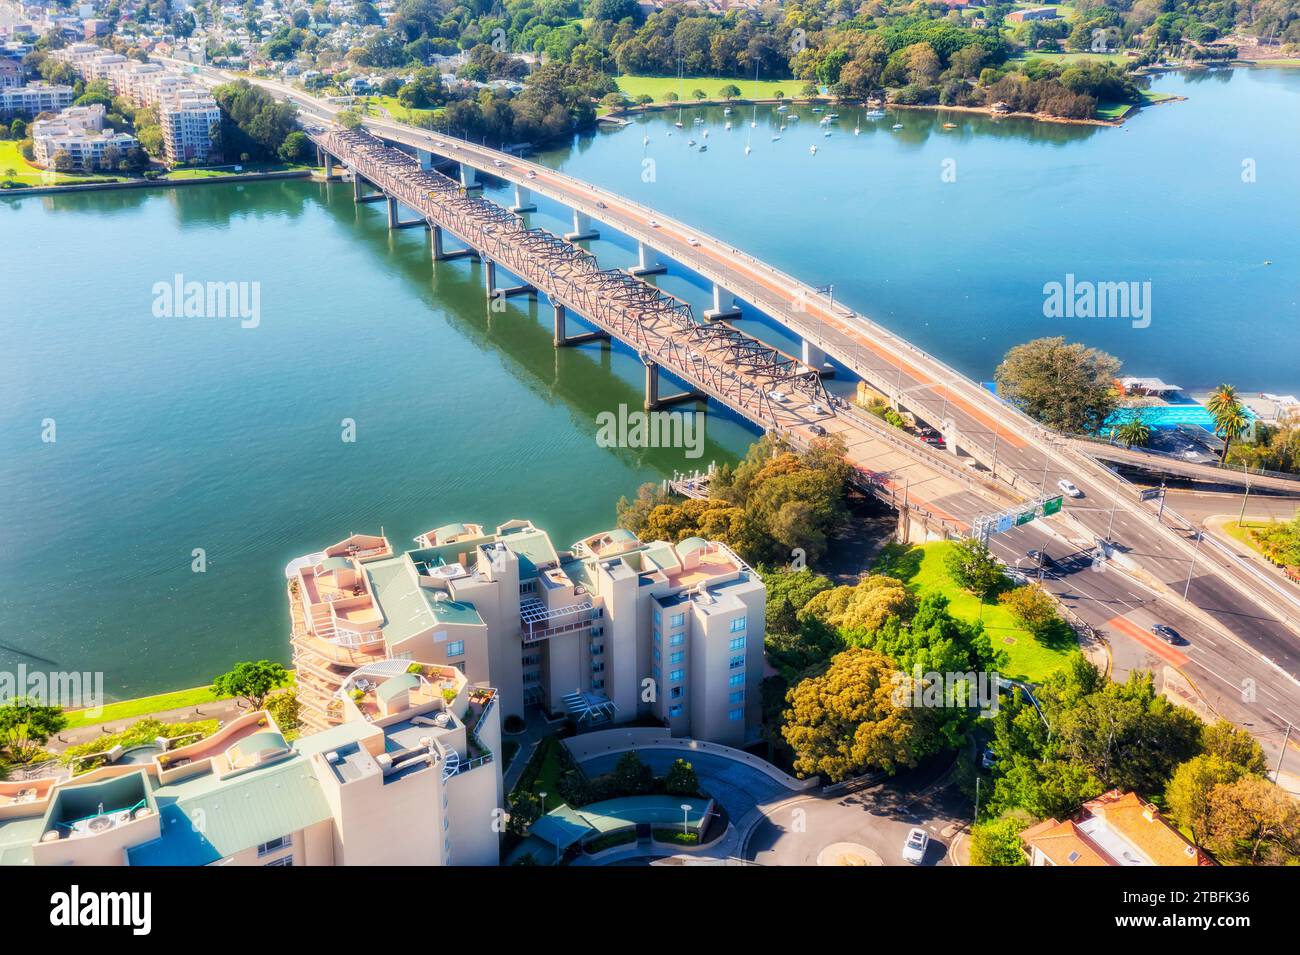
{"points": [[156, 183]]}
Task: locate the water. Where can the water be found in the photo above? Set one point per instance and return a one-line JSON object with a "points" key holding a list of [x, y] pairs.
{"points": [[178, 434], [959, 267]]}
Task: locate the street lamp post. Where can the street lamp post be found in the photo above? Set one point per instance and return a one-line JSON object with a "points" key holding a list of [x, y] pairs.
{"points": [[686, 819], [1192, 566]]}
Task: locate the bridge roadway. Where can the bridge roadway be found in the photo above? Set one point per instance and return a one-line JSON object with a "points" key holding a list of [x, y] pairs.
{"points": [[1248, 622], [712, 358]]}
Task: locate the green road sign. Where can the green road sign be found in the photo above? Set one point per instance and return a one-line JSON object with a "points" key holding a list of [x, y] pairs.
{"points": [[1026, 517], [1053, 506]]}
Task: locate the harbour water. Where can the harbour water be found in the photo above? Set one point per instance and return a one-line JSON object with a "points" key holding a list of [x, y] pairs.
{"points": [[175, 437]]}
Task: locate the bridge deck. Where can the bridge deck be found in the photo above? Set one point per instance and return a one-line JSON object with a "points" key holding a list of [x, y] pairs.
{"points": [[771, 389]]}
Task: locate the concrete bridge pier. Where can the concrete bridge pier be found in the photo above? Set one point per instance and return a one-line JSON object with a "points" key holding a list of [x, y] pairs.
{"points": [[654, 401], [582, 230], [812, 356], [469, 178], [646, 262], [395, 220], [325, 159], [359, 191], [425, 157], [490, 283], [523, 201], [719, 312], [563, 339], [441, 254]]}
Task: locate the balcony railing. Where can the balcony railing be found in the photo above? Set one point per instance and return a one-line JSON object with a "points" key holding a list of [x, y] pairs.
{"points": [[538, 622]]}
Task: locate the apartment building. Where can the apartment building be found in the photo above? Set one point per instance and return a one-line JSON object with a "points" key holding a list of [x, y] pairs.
{"points": [[11, 73], [35, 99], [610, 630], [409, 776], [79, 132], [187, 113]]}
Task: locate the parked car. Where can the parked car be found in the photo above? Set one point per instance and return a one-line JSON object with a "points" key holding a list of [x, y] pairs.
{"points": [[1168, 634], [915, 846], [988, 759], [1069, 488]]}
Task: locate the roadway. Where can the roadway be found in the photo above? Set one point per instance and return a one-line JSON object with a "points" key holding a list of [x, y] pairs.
{"points": [[1233, 608]]}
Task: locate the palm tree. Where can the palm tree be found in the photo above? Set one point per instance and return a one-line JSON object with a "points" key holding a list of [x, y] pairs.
{"points": [[1134, 431], [1230, 421], [1230, 425], [1221, 399]]}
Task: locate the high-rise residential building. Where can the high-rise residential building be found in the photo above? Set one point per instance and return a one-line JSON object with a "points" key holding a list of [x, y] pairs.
{"points": [[610, 630], [79, 133], [35, 99], [409, 776]]}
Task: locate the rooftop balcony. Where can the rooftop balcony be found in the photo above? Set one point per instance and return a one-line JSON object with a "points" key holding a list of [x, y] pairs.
{"points": [[539, 622]]}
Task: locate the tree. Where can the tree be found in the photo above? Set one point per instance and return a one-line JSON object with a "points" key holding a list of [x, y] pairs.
{"points": [[863, 607], [525, 809], [1188, 793], [846, 721], [729, 92], [1031, 607], [998, 842], [1068, 387], [613, 10], [1133, 431], [349, 119], [632, 776], [788, 592], [699, 94], [1235, 745], [973, 568], [251, 682], [1230, 419], [680, 780], [1253, 822], [296, 148], [27, 725], [284, 709]]}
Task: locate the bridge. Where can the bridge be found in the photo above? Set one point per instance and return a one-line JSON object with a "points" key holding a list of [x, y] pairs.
{"points": [[713, 359], [1241, 621]]}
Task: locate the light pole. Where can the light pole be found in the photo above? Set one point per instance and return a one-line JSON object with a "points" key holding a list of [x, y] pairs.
{"points": [[1277, 773], [686, 819], [543, 796], [1192, 566], [1242, 516]]}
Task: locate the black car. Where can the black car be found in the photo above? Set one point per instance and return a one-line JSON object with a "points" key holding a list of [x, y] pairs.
{"points": [[930, 436], [1040, 558], [1168, 634], [817, 430]]}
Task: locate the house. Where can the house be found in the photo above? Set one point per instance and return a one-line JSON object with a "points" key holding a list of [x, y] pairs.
{"points": [[1034, 13], [1115, 829]]}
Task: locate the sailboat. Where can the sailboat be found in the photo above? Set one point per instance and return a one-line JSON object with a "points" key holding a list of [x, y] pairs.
{"points": [[813, 149], [680, 87]]}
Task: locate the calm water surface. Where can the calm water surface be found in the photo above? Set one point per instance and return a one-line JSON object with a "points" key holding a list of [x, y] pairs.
{"points": [[176, 434]]}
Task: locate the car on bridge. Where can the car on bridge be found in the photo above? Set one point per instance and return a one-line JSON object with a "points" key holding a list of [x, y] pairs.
{"points": [[1069, 487]]}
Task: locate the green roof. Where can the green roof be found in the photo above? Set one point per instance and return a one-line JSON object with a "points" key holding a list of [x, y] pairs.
{"points": [[332, 738], [398, 590], [16, 838], [205, 819], [453, 611], [532, 547]]}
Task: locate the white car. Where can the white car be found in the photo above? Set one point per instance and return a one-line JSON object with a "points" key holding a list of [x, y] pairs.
{"points": [[915, 846], [1068, 487], [498, 163], [531, 174], [777, 395], [694, 242], [654, 223]]}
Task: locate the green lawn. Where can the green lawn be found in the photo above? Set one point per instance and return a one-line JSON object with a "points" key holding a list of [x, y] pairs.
{"points": [[922, 568], [145, 705], [396, 110], [660, 86], [12, 158], [1241, 532], [1068, 57]]}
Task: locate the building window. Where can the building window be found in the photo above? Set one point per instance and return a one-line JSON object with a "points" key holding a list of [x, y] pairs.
{"points": [[677, 657], [287, 860], [598, 668], [679, 620], [456, 648], [598, 684], [736, 714], [737, 643], [275, 845], [654, 670], [675, 676], [675, 693], [658, 617], [738, 624], [656, 635], [597, 649], [736, 696], [655, 652], [676, 709], [737, 680], [677, 639], [736, 662]]}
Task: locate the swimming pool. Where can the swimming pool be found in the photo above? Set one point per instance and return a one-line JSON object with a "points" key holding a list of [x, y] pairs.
{"points": [[1167, 416]]}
